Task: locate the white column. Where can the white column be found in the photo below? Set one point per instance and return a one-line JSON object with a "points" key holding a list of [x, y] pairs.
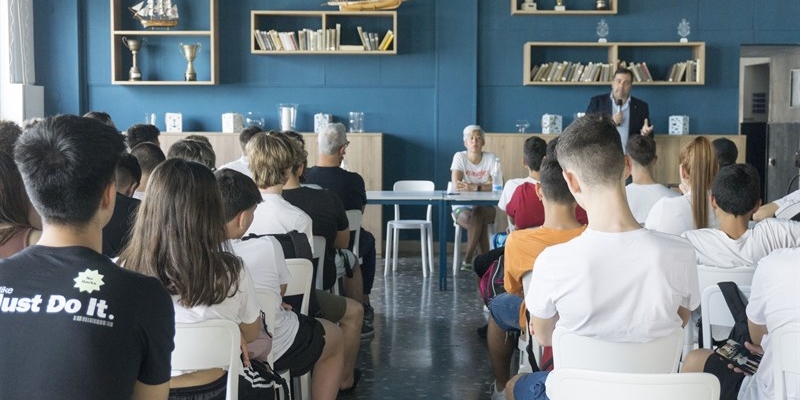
{"points": [[20, 99]]}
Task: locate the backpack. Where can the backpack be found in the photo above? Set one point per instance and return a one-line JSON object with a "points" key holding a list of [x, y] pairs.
{"points": [[492, 281], [737, 304]]}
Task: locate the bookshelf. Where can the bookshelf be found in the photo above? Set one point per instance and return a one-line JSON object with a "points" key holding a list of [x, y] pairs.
{"points": [[658, 56], [160, 59], [379, 22], [611, 9]]}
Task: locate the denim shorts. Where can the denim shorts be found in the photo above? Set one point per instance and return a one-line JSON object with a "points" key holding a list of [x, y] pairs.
{"points": [[505, 311]]}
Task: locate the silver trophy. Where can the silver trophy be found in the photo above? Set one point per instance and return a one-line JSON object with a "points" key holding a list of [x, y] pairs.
{"points": [[602, 31], [133, 45], [189, 53], [684, 30]]}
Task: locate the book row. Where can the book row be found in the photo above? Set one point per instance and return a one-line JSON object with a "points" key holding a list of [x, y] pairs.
{"points": [[566, 71], [685, 71], [319, 40]]}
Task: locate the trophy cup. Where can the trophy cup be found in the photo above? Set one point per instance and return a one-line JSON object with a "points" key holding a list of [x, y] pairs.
{"points": [[600, 5], [133, 45], [602, 31], [189, 53], [560, 5], [684, 30]]}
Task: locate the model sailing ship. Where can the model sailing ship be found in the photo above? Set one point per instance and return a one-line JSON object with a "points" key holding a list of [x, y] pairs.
{"points": [[156, 13], [366, 5]]}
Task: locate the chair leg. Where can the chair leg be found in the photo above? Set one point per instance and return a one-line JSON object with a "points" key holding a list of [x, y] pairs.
{"points": [[396, 244], [456, 250], [423, 250], [388, 246], [429, 231]]}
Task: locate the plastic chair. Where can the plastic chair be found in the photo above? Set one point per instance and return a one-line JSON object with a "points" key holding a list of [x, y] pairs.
{"points": [[319, 253], [267, 302], [789, 212], [784, 344], [659, 356], [209, 344], [715, 311], [425, 227], [574, 384]]}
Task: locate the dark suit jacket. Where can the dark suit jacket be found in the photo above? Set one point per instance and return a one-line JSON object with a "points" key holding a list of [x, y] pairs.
{"points": [[638, 111]]}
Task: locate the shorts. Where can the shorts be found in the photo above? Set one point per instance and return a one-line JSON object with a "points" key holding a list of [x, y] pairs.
{"points": [[729, 380], [531, 386], [332, 306], [505, 311], [345, 262], [306, 348], [253, 386]]}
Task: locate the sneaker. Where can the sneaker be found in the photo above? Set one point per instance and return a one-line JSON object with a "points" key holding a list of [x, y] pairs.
{"points": [[369, 313], [495, 394], [367, 331], [465, 266]]}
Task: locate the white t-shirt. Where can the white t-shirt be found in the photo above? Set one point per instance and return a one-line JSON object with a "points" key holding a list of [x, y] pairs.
{"points": [[773, 302], [276, 215], [138, 195], [242, 165], [509, 188], [787, 200], [473, 173], [715, 248], [242, 307], [263, 258], [673, 215], [641, 198], [618, 287]]}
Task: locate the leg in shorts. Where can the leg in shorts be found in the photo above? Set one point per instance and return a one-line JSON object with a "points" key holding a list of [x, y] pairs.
{"points": [[531, 386], [505, 311], [331, 305], [306, 348], [729, 380]]}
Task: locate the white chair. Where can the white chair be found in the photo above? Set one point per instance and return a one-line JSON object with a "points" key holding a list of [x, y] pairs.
{"points": [[266, 301], [425, 227], [659, 356], [575, 384], [784, 344], [522, 344], [715, 312], [789, 211], [319, 253], [209, 344]]}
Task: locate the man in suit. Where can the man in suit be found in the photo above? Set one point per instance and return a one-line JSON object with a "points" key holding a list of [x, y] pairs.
{"points": [[629, 113]]}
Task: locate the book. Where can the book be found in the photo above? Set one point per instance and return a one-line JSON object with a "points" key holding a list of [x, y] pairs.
{"points": [[338, 36], [534, 71], [259, 40], [681, 72], [646, 72], [578, 73], [374, 40], [739, 356], [587, 72], [637, 72], [568, 72], [362, 37], [387, 40], [553, 71], [543, 71]]}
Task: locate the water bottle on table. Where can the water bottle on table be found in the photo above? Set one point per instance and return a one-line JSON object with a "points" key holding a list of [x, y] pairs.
{"points": [[497, 176]]}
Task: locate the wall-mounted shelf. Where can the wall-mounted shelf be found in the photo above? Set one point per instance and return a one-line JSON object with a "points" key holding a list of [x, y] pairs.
{"points": [[611, 9], [659, 57], [349, 42], [161, 51]]}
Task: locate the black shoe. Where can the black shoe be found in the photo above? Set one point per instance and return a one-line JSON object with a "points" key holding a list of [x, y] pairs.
{"points": [[369, 313], [367, 331], [356, 378], [483, 330]]}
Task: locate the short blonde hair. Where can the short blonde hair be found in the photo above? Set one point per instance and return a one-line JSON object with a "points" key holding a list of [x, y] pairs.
{"points": [[270, 158], [471, 128]]}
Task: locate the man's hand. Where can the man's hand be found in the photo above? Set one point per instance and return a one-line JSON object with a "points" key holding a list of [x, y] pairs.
{"points": [[647, 129], [619, 118], [755, 349]]}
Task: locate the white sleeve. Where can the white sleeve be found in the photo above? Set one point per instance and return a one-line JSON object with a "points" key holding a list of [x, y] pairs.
{"points": [[756, 303], [508, 192], [249, 310], [539, 295], [279, 260], [787, 200], [458, 161], [661, 219]]}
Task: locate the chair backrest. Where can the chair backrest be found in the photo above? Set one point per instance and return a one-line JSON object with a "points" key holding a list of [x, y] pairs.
{"points": [[710, 276], [789, 212], [209, 344], [714, 311], [319, 253], [300, 284], [413, 186], [575, 384], [784, 344], [659, 356], [354, 218]]}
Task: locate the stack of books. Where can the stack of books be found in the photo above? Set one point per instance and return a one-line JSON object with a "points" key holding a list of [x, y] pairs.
{"points": [[319, 40], [567, 71], [684, 71], [640, 71], [370, 40]]}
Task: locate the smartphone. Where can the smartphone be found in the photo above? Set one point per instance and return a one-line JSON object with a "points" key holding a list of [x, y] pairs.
{"points": [[739, 356]]}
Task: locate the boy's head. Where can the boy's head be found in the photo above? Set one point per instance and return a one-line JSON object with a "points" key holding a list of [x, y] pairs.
{"points": [[101, 116], [554, 187], [551, 148], [239, 194], [193, 150], [535, 149], [128, 174], [737, 189], [9, 133], [271, 158], [591, 149], [247, 134], [67, 163], [141, 133], [641, 149], [726, 151], [149, 156]]}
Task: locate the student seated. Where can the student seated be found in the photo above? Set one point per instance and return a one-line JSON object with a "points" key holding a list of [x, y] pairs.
{"points": [[149, 156], [243, 163], [115, 233], [142, 133], [79, 327], [643, 192], [522, 247], [769, 210], [194, 150], [594, 285], [734, 199], [19, 223], [513, 199], [299, 342], [773, 303]]}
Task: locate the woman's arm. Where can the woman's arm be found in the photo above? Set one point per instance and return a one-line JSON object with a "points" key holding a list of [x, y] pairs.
{"points": [[250, 331]]}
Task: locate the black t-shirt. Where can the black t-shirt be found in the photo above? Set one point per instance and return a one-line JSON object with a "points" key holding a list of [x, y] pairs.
{"points": [[327, 214], [116, 231], [74, 325], [349, 186]]}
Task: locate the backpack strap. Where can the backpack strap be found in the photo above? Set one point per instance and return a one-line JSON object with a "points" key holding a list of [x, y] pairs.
{"points": [[253, 236], [737, 303]]}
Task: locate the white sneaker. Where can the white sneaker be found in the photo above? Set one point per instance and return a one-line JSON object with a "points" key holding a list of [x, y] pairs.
{"points": [[497, 395]]}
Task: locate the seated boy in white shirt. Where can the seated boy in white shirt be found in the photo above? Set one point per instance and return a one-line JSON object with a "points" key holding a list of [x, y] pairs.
{"points": [[644, 191], [734, 198]]}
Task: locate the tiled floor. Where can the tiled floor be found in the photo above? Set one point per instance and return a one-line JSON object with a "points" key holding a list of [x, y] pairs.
{"points": [[425, 344]]}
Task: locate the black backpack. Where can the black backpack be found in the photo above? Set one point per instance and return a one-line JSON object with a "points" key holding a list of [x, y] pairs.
{"points": [[737, 304]]}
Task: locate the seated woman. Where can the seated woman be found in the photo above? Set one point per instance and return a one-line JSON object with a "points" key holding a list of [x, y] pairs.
{"points": [[471, 172], [179, 237], [19, 223]]}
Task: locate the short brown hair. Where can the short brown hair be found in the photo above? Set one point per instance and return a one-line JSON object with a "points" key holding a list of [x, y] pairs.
{"points": [[270, 158], [591, 147], [641, 149]]}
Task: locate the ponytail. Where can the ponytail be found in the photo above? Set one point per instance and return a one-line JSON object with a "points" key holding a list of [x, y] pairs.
{"points": [[700, 163]]}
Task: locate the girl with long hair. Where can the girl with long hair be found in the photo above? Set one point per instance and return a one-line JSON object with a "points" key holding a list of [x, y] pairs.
{"points": [[20, 225]]}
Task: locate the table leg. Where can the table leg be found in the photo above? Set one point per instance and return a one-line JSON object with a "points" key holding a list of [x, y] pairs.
{"points": [[443, 218]]}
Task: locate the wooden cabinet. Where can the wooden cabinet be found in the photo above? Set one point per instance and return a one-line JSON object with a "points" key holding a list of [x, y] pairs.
{"points": [[311, 22], [161, 59], [611, 9], [658, 56]]}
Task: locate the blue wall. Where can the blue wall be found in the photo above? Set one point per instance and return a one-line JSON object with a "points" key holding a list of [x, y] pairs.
{"points": [[457, 63]]}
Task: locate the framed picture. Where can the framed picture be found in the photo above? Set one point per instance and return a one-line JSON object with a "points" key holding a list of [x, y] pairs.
{"points": [[794, 88]]}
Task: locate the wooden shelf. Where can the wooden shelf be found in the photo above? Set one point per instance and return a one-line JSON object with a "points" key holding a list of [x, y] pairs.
{"points": [[292, 21], [535, 53], [610, 4], [206, 31]]}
